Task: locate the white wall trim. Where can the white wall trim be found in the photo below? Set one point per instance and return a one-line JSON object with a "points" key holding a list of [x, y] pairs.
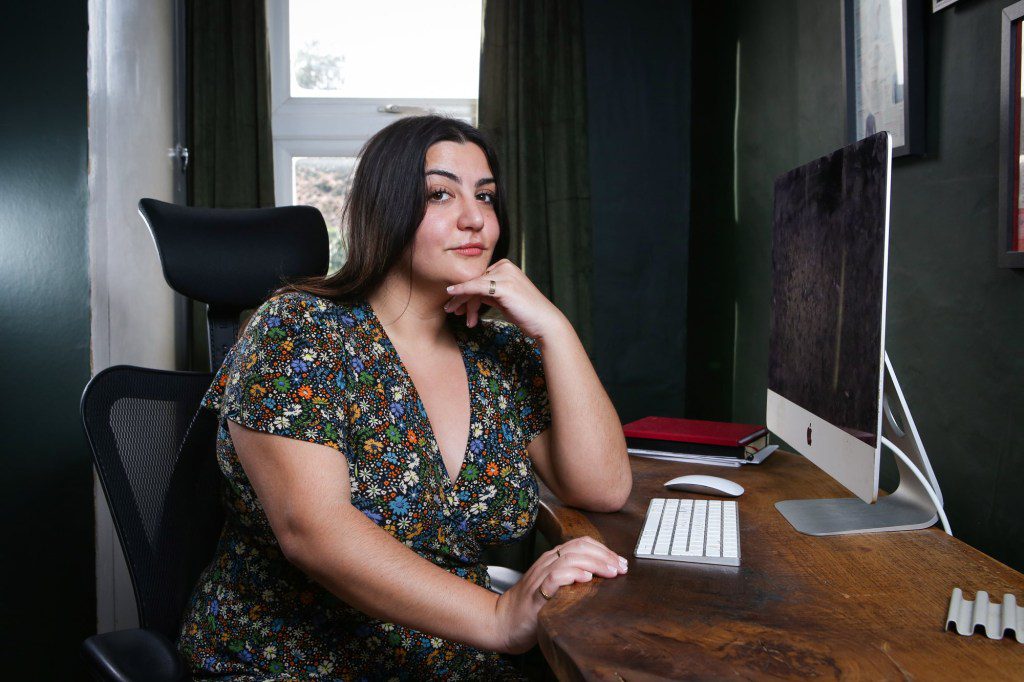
{"points": [[131, 90]]}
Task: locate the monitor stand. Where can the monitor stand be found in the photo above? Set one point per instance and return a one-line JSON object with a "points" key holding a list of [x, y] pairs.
{"points": [[910, 507]]}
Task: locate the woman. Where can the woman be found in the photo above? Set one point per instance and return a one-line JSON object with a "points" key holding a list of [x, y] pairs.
{"points": [[367, 565]]}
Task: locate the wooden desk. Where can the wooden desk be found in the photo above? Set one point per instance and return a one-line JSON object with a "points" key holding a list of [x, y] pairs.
{"points": [[850, 606]]}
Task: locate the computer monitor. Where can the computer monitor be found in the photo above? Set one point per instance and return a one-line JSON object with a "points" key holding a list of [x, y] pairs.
{"points": [[827, 373]]}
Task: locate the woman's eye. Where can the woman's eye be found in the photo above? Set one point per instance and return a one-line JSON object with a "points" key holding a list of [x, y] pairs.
{"points": [[440, 195], [486, 197]]}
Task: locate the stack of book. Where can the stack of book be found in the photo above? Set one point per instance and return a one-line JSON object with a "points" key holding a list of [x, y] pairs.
{"points": [[694, 440]]}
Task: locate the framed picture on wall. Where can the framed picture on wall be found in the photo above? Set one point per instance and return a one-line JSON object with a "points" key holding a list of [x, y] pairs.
{"points": [[1010, 236], [883, 54]]}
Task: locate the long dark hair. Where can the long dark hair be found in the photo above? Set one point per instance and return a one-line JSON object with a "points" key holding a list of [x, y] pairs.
{"points": [[387, 203]]}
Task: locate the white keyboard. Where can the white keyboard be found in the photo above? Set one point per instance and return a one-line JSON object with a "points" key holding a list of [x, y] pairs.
{"points": [[698, 531]]}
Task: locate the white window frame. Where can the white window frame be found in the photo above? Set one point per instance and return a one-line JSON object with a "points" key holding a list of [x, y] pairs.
{"points": [[328, 126]]}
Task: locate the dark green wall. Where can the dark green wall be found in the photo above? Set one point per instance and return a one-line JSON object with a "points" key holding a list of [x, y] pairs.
{"points": [[638, 118], [709, 359], [46, 505], [955, 320]]}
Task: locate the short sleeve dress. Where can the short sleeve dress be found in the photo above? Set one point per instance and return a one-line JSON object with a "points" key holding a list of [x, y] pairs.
{"points": [[314, 370]]}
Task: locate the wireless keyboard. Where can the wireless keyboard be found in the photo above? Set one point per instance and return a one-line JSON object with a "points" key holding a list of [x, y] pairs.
{"points": [[697, 531]]}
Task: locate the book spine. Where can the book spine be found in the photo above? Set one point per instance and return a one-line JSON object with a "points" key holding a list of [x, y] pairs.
{"points": [[754, 438], [687, 448]]}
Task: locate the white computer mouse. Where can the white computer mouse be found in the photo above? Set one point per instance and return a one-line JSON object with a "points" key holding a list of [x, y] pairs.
{"points": [[705, 485]]}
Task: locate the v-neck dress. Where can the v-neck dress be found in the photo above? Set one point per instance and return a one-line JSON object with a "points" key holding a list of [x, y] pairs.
{"points": [[317, 371]]}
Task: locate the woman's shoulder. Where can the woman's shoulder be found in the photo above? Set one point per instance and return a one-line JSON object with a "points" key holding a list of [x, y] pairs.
{"points": [[307, 309], [294, 319], [292, 304]]}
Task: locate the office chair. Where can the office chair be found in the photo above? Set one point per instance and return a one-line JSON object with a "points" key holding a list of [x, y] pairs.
{"points": [[232, 259], [154, 454], [152, 446]]}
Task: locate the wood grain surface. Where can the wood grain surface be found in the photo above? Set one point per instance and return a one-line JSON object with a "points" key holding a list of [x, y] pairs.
{"points": [[869, 606]]}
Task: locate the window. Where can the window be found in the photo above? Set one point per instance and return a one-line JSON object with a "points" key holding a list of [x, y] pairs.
{"points": [[343, 69]]}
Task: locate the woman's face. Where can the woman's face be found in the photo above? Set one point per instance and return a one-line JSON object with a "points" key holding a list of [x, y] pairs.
{"points": [[456, 238]]}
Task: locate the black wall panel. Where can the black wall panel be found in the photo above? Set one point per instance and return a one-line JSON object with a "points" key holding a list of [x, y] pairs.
{"points": [[46, 505]]}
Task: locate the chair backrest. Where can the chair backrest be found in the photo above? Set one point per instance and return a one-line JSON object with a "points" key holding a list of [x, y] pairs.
{"points": [[154, 452], [232, 259]]}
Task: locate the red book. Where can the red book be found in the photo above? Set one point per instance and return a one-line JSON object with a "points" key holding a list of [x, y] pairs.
{"points": [[693, 436]]}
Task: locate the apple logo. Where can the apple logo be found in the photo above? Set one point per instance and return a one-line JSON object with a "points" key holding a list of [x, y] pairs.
{"points": [[808, 434]]}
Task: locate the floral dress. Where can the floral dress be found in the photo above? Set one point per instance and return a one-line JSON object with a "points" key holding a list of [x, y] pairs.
{"points": [[310, 369]]}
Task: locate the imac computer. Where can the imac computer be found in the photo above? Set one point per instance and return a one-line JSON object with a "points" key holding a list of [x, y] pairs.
{"points": [[832, 392]]}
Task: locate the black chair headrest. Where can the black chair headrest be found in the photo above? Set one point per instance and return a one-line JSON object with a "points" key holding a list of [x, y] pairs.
{"points": [[234, 258]]}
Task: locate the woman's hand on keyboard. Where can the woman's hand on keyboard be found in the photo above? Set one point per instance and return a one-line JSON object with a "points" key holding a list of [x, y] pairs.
{"points": [[576, 561]]}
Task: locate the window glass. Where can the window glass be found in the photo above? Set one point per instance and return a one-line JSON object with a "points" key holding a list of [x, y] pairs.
{"points": [[393, 48], [324, 182], [1017, 240]]}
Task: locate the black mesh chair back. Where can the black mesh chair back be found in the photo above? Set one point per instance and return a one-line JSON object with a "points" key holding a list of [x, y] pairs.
{"points": [[232, 259], [154, 452]]}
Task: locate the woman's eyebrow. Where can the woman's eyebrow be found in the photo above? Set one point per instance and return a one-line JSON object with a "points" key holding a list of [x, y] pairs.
{"points": [[455, 178], [444, 173]]}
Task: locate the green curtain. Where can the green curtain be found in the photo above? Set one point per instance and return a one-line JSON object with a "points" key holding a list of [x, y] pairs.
{"points": [[533, 105], [229, 104]]}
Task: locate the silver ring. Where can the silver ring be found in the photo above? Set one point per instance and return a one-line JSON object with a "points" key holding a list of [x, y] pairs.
{"points": [[490, 292]]}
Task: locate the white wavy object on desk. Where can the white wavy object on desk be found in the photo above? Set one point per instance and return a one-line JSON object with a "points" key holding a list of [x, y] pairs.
{"points": [[994, 618]]}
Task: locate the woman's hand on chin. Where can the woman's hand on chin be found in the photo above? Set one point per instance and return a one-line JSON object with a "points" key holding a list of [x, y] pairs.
{"points": [[506, 287]]}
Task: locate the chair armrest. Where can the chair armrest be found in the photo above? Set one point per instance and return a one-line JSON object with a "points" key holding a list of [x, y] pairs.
{"points": [[133, 656]]}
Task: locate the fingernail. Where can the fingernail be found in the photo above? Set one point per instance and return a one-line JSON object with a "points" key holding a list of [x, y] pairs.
{"points": [[587, 575], [449, 289], [623, 564]]}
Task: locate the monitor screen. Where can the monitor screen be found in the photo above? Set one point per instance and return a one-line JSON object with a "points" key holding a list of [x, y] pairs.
{"points": [[828, 286]]}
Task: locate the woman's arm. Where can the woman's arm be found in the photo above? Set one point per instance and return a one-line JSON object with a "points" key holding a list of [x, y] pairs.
{"points": [[582, 458], [304, 490]]}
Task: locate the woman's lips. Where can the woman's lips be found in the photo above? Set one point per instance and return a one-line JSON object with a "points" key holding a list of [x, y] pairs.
{"points": [[469, 251]]}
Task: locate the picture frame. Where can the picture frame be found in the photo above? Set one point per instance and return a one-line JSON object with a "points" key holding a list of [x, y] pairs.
{"points": [[939, 5], [883, 71], [1010, 223]]}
